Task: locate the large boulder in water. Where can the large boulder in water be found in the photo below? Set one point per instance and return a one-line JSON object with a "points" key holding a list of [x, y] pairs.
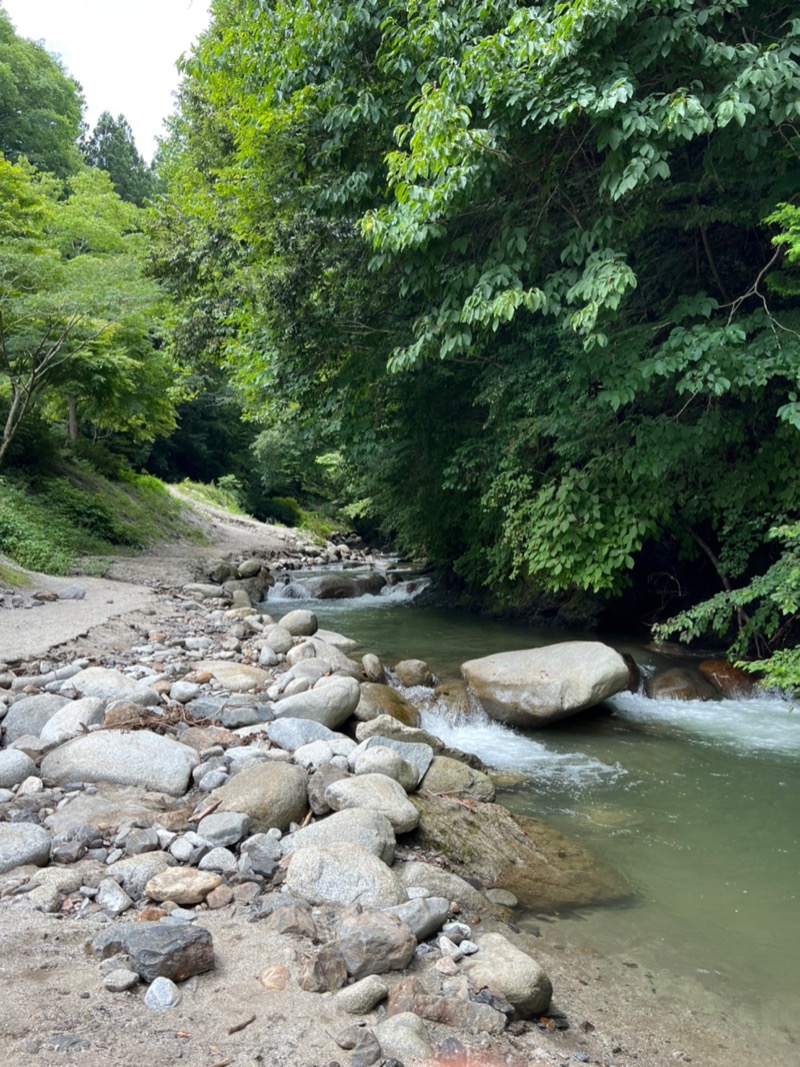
{"points": [[538, 686], [542, 867]]}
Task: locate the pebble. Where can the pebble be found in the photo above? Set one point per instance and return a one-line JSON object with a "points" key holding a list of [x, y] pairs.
{"points": [[162, 994], [120, 979]]}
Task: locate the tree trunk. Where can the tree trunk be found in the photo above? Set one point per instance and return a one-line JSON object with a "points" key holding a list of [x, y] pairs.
{"points": [[72, 405]]}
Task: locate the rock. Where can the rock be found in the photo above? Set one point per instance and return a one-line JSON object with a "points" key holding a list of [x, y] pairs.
{"points": [[278, 638], [377, 793], [357, 826], [134, 872], [292, 734], [326, 775], [423, 915], [411, 672], [377, 699], [545, 869], [332, 657], [361, 997], [29, 715], [236, 677], [221, 897], [220, 570], [380, 759], [293, 917], [300, 623], [182, 692], [441, 883], [142, 840], [386, 726], [730, 681], [411, 995], [15, 767], [503, 968], [331, 587], [314, 755], [417, 755], [336, 640], [456, 779], [204, 591], [374, 942], [537, 686], [404, 1037], [218, 859], [107, 684], [112, 898], [365, 1046], [325, 971], [224, 827], [140, 758], [344, 875], [678, 683], [72, 592], [330, 704], [373, 668], [184, 885], [73, 719], [271, 794], [21, 843], [162, 995], [158, 950], [262, 852], [250, 568], [120, 979]]}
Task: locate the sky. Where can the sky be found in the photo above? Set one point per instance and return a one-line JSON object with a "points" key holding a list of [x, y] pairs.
{"points": [[123, 52]]}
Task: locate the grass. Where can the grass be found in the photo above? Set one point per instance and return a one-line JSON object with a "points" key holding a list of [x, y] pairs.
{"points": [[13, 578], [69, 519], [217, 495]]}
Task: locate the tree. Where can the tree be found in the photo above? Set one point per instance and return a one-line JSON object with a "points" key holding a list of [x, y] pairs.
{"points": [[41, 106], [570, 206], [111, 147], [77, 316]]}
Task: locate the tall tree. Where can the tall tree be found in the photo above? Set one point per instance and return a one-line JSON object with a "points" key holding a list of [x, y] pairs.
{"points": [[111, 147], [41, 106]]}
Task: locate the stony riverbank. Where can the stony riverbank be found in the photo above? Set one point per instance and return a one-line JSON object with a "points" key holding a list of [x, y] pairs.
{"points": [[224, 844]]}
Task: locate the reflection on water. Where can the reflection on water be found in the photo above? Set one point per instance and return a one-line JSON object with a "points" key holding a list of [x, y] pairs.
{"points": [[695, 802]]}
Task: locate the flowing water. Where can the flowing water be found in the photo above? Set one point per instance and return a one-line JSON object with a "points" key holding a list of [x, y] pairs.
{"points": [[695, 802]]}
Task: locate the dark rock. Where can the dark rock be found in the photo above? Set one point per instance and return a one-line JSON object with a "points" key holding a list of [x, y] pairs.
{"points": [[373, 942], [159, 950]]}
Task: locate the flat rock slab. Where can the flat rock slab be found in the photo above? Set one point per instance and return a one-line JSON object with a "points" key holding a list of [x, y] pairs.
{"points": [[23, 842], [235, 677], [140, 758], [537, 686]]}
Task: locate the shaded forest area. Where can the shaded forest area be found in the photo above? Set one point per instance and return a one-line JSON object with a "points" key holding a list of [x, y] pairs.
{"points": [[512, 285]]}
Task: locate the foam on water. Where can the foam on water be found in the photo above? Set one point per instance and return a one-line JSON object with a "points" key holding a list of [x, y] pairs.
{"points": [[504, 749], [759, 725]]}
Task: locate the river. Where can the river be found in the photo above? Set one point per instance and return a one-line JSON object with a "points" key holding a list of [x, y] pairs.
{"points": [[695, 802]]}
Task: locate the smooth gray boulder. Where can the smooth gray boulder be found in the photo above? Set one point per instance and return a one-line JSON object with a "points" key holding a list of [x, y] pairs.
{"points": [[453, 778], [224, 827], [235, 677], [342, 874], [375, 792], [330, 704], [134, 872], [356, 826], [404, 1037], [107, 684], [334, 659], [15, 767], [271, 794], [292, 734], [380, 759], [300, 623], [508, 970], [278, 638], [23, 842], [423, 915], [417, 754], [73, 719], [140, 758], [29, 715], [537, 686]]}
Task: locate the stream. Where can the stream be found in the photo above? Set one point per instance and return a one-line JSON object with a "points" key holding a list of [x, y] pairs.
{"points": [[695, 802]]}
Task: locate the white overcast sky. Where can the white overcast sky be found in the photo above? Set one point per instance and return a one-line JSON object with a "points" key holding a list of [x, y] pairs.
{"points": [[123, 52]]}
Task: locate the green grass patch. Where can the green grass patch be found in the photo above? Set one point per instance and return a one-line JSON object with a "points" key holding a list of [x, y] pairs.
{"points": [[223, 494], [14, 578], [51, 523]]}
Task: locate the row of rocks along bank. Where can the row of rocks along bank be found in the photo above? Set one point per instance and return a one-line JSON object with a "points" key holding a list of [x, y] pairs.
{"points": [[232, 762]]}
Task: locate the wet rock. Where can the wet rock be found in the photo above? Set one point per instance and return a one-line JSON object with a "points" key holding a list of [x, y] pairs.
{"points": [[730, 681], [534, 687], [270, 794], [456, 779], [183, 885], [377, 699], [377, 793], [678, 683], [503, 968], [374, 942], [344, 875], [107, 684], [158, 950], [542, 867], [358, 826], [23, 842], [411, 672], [141, 758]]}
